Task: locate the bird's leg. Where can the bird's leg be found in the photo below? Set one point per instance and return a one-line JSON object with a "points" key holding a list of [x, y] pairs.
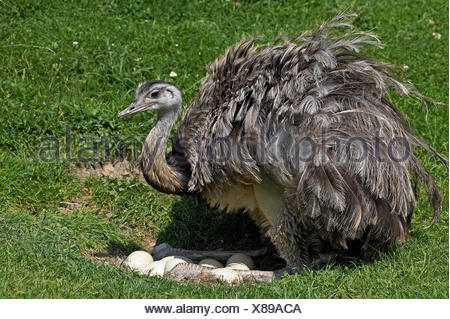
{"points": [[290, 240], [164, 249], [185, 271]]}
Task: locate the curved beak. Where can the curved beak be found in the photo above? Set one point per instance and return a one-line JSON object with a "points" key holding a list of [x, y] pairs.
{"points": [[134, 107]]}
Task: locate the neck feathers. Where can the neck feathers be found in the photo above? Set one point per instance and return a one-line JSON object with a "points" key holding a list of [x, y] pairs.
{"points": [[164, 177]]}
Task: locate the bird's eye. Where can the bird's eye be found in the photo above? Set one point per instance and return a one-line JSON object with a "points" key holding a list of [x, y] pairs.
{"points": [[154, 94]]}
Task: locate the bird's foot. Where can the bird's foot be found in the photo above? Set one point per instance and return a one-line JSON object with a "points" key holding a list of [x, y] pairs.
{"points": [[163, 250], [288, 270]]}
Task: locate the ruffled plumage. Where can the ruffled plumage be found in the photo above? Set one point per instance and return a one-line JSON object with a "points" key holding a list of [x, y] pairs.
{"points": [[315, 89]]}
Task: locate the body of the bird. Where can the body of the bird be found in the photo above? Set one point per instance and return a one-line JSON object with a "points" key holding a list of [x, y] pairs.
{"points": [[301, 135]]}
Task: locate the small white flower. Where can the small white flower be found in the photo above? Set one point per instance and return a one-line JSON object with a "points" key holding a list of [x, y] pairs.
{"points": [[172, 74], [176, 44], [75, 43], [405, 67], [436, 35]]}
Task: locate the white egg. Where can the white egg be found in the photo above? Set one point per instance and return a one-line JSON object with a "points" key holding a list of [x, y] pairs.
{"points": [[227, 275], [210, 262], [238, 266], [188, 260], [138, 260], [170, 264], [240, 258], [156, 269]]}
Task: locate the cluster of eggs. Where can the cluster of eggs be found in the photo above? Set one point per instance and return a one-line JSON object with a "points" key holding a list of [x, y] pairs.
{"points": [[142, 262]]}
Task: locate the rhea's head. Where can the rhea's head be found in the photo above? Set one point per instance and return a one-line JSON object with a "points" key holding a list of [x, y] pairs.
{"points": [[154, 95]]}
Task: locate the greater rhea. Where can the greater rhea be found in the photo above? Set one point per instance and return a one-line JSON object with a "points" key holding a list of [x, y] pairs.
{"points": [[302, 136]]}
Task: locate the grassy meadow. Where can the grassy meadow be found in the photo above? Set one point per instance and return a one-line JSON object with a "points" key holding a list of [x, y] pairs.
{"points": [[68, 67]]}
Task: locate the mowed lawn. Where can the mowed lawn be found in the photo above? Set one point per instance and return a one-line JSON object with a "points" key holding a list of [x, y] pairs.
{"points": [[68, 68]]}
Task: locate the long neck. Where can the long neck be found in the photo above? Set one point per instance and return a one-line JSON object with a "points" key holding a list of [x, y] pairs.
{"points": [[164, 177]]}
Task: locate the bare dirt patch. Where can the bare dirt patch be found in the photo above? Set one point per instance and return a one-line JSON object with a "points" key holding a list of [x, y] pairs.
{"points": [[118, 169], [104, 257]]}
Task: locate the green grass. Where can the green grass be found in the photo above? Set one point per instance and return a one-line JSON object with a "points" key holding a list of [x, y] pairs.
{"points": [[48, 84]]}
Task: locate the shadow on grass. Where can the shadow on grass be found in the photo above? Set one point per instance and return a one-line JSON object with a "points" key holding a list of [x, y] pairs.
{"points": [[194, 225]]}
